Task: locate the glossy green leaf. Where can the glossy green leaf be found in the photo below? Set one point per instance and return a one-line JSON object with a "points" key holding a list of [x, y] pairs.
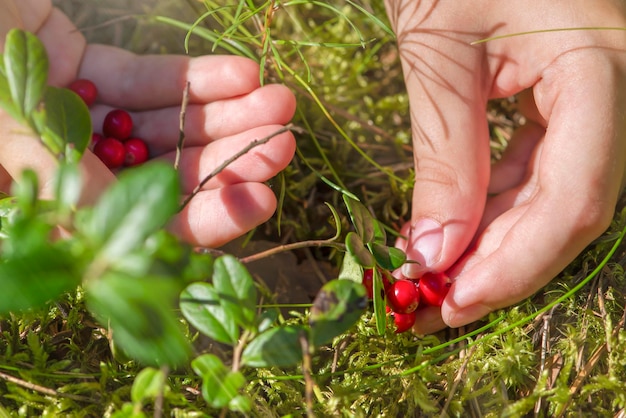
{"points": [[200, 304], [380, 236], [140, 311], [279, 347], [148, 384], [236, 290], [361, 218], [337, 307], [359, 251], [380, 303], [389, 258], [68, 121], [26, 67], [142, 201], [219, 385]]}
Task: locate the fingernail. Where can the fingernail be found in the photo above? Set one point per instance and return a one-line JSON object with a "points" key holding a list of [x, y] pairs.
{"points": [[424, 246]]}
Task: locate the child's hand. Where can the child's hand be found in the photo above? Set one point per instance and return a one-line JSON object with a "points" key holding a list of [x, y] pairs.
{"points": [[505, 231], [227, 110]]}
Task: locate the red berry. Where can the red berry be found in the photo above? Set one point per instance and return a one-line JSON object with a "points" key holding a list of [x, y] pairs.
{"points": [[136, 152], [434, 288], [368, 282], [118, 124], [404, 321], [86, 89], [95, 137], [403, 296], [110, 151]]}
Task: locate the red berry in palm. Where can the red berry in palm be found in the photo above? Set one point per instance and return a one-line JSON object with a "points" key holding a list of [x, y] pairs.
{"points": [[86, 89], [368, 282], [117, 124], [110, 151], [434, 288], [403, 296], [404, 321], [136, 152]]}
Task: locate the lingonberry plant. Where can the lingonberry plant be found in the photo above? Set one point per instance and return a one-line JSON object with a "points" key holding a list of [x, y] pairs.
{"points": [[117, 124], [86, 89]]}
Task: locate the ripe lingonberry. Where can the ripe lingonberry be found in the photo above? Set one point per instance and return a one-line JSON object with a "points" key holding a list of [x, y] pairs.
{"points": [[403, 296], [368, 282], [117, 124], [86, 89], [434, 288], [404, 321], [136, 152], [110, 151], [95, 137]]}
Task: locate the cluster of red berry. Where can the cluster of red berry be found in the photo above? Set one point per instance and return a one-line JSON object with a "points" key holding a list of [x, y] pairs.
{"points": [[405, 296], [115, 146]]}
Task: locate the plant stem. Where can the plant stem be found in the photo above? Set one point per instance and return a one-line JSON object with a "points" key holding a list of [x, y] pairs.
{"points": [[235, 157], [181, 125]]}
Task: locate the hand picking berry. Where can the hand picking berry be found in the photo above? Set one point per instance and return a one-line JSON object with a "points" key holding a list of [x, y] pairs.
{"points": [[434, 288], [403, 296], [86, 89], [117, 124], [136, 152], [111, 152]]}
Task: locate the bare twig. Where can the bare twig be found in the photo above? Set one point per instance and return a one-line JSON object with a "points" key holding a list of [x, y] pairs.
{"points": [[158, 401], [232, 159], [306, 371], [181, 125], [43, 389], [291, 247]]}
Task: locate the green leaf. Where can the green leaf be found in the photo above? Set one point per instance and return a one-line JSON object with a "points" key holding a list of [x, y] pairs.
{"points": [[200, 305], [237, 293], [6, 101], [140, 311], [26, 66], [67, 186], [359, 251], [380, 304], [351, 269], [148, 384], [279, 347], [337, 307], [68, 122], [389, 258], [361, 218], [36, 277], [220, 386], [140, 203]]}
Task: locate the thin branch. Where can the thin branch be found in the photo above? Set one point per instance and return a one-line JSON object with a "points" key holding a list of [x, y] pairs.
{"points": [[181, 125], [291, 247], [232, 159], [43, 389], [306, 371]]}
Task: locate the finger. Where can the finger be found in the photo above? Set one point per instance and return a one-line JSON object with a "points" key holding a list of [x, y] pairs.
{"points": [[257, 165], [450, 137], [579, 172], [268, 105], [153, 81], [215, 217], [512, 168]]}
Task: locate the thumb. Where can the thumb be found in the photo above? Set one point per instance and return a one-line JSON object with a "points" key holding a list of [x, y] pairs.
{"points": [[447, 89]]}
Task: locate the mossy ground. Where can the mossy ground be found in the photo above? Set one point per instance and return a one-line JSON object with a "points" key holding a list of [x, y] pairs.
{"points": [[568, 359]]}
